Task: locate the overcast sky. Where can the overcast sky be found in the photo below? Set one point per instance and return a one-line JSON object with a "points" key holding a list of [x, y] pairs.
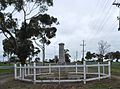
{"points": [[89, 20]]}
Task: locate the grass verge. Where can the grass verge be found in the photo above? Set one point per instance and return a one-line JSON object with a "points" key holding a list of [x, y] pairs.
{"points": [[115, 68], [5, 71]]}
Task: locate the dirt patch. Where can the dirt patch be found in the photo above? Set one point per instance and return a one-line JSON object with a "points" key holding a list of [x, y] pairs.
{"points": [[102, 84], [117, 77], [5, 77]]}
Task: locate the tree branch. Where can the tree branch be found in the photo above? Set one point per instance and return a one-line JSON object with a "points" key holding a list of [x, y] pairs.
{"points": [[24, 14], [33, 8], [38, 44]]}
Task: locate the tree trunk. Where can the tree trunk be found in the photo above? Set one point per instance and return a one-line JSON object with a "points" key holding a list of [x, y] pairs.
{"points": [[22, 61], [43, 53], [117, 60]]}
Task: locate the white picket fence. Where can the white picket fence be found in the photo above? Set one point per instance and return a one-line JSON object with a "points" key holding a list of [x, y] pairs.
{"points": [[62, 73]]}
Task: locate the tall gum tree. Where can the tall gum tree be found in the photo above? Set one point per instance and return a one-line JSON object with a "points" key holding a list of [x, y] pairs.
{"points": [[34, 24]]}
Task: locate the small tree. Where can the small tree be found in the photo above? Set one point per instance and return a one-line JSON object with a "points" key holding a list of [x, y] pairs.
{"points": [[103, 48], [109, 55], [117, 55], [56, 59], [89, 55], [8, 49], [67, 56]]}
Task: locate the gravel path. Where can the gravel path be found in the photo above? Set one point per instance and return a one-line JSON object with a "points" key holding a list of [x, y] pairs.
{"points": [[5, 77], [116, 77]]}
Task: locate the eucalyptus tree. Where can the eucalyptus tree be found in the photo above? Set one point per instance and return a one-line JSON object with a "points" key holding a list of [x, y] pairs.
{"points": [[30, 22], [46, 32]]}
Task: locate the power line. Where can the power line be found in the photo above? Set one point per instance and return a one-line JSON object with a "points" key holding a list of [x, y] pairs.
{"points": [[105, 5], [104, 19], [103, 22], [95, 8]]}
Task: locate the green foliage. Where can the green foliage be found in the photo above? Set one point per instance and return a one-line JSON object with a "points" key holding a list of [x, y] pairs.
{"points": [[113, 55], [39, 26], [117, 55], [89, 55], [67, 56], [8, 46], [18, 4]]}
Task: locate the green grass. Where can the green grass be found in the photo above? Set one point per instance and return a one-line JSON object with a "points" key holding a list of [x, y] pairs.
{"points": [[102, 84], [5, 64], [4, 71], [115, 68]]}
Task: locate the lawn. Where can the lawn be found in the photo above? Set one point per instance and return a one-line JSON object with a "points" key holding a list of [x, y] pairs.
{"points": [[4, 71], [115, 68], [5, 64]]}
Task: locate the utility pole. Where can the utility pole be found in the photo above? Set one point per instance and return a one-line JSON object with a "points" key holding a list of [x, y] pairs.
{"points": [[118, 5], [83, 51], [76, 55]]}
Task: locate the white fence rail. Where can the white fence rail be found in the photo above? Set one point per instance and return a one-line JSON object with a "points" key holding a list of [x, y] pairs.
{"points": [[62, 73]]}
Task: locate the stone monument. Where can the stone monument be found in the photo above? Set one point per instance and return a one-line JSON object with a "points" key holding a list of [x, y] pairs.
{"points": [[61, 54]]}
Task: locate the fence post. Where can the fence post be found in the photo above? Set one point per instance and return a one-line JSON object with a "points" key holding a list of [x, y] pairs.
{"points": [[109, 69], [84, 64], [99, 70], [76, 68], [39, 70], [103, 69], [20, 71], [34, 74], [28, 69], [49, 68], [15, 71], [25, 70], [86, 70], [59, 74]]}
